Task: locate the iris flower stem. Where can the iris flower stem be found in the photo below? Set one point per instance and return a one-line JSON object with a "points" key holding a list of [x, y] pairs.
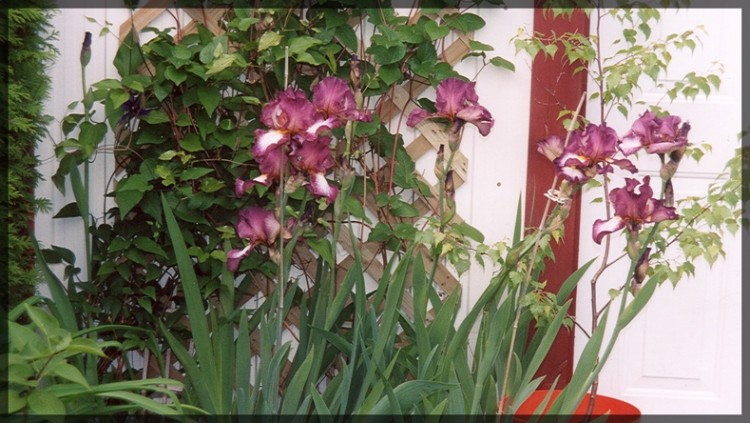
{"points": [[85, 213], [441, 213], [607, 207], [534, 252], [281, 197], [84, 216]]}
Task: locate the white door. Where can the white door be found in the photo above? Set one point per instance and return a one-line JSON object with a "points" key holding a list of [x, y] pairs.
{"points": [[682, 355]]}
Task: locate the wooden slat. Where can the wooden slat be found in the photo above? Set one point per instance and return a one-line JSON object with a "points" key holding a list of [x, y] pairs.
{"points": [[144, 16], [209, 17]]}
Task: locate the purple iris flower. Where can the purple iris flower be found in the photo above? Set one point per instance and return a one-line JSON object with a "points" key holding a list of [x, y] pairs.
{"points": [[271, 161], [290, 115], [333, 98], [257, 226], [551, 147], [456, 101], [632, 210], [296, 133], [590, 151], [314, 158], [655, 134]]}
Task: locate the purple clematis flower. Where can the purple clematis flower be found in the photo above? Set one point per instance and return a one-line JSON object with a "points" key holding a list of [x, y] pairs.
{"points": [[632, 210], [457, 101], [133, 107], [589, 152], [258, 226], [655, 134]]}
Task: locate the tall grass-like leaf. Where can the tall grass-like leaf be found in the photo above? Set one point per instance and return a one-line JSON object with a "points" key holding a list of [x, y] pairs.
{"points": [[321, 409], [489, 352], [422, 339], [639, 301], [518, 226], [192, 370], [550, 333], [462, 333], [224, 335], [408, 393], [60, 305], [296, 386], [571, 282], [572, 395], [378, 377], [355, 272], [392, 307], [465, 378], [196, 308], [242, 366], [143, 402], [271, 383], [441, 327]]}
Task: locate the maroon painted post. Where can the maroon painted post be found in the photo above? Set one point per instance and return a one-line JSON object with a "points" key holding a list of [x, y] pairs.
{"points": [[554, 87]]}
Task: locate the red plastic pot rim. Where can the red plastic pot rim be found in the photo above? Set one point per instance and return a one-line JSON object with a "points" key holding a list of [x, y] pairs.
{"points": [[618, 411]]}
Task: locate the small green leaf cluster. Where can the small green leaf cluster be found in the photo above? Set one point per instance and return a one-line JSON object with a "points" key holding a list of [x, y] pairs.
{"points": [[702, 222], [45, 376]]}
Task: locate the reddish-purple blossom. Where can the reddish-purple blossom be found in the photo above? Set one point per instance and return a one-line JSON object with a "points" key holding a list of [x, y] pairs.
{"points": [[259, 227], [291, 112], [655, 134], [333, 98], [456, 101], [297, 133], [314, 159], [632, 210], [551, 147], [590, 151]]}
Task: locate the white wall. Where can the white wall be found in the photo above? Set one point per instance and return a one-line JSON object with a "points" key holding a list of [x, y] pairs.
{"points": [[66, 87], [682, 354]]}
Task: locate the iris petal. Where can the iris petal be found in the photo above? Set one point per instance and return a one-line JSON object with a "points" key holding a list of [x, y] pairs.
{"points": [[320, 187], [234, 257], [333, 98], [605, 227], [266, 139], [456, 101]]}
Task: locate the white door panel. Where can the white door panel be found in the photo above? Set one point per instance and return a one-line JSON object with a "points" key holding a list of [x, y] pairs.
{"points": [[682, 355]]}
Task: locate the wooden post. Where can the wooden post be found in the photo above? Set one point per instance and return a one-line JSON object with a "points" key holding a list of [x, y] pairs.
{"points": [[554, 87]]}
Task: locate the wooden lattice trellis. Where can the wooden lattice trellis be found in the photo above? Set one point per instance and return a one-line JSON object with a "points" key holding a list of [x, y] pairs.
{"points": [[398, 101]]}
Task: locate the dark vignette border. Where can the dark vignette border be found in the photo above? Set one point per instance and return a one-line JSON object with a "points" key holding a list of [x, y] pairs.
{"points": [[506, 4], [4, 221]]}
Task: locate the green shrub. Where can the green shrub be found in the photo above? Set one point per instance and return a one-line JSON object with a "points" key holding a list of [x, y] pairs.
{"points": [[30, 52]]}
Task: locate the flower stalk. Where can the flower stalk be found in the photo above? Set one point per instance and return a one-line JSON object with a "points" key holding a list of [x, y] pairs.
{"points": [[535, 249]]}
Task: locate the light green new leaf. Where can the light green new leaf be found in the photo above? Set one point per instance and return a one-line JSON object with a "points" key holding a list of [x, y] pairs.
{"points": [[145, 403], [42, 402], [69, 372]]}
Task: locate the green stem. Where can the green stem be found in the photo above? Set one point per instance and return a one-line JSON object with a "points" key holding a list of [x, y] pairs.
{"points": [[527, 280]]}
